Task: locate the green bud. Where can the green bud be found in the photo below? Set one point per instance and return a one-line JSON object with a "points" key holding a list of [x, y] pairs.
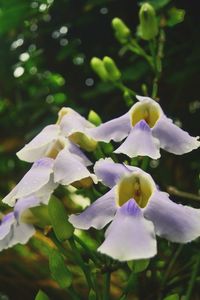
{"points": [[111, 68], [58, 269], [99, 68], [122, 32], [94, 118], [84, 141], [41, 296], [148, 22], [61, 226]]}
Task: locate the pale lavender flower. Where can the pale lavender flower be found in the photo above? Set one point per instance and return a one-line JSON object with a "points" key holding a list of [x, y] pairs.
{"points": [[38, 181], [146, 129], [46, 173], [138, 212], [13, 227], [51, 139]]}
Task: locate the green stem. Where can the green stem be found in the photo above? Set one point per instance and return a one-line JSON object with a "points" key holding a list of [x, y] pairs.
{"points": [[85, 247], [124, 88], [135, 47], [157, 60], [130, 284], [106, 286], [72, 293], [81, 263], [57, 243], [170, 267], [193, 279]]}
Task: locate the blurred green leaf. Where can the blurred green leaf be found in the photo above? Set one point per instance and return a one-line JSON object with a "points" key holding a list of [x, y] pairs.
{"points": [[41, 296], [58, 217], [175, 16], [172, 297], [58, 269]]}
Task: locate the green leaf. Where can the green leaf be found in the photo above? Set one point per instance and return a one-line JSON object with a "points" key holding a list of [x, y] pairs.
{"points": [[175, 16], [61, 226], [172, 297], [41, 296], [138, 266], [58, 269]]}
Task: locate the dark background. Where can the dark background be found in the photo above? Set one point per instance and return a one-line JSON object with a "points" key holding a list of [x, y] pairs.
{"points": [[58, 73]]}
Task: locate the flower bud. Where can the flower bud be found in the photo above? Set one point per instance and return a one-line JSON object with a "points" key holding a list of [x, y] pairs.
{"points": [[99, 68], [148, 22], [111, 68], [94, 118], [85, 183], [62, 228], [84, 141], [122, 32]]}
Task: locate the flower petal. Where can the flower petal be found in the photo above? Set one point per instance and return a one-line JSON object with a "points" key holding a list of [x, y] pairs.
{"points": [[21, 234], [74, 122], [140, 142], [37, 177], [68, 169], [175, 222], [38, 146], [110, 172], [24, 204], [116, 130], [144, 98], [129, 236], [12, 232], [76, 151], [5, 225], [98, 214], [172, 138], [45, 192]]}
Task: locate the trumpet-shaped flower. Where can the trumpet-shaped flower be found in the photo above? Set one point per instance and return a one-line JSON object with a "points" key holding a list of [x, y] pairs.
{"points": [[138, 212], [146, 129], [49, 141], [13, 227], [45, 175]]}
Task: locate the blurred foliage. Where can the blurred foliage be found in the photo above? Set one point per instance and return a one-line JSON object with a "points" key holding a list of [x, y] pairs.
{"points": [[46, 48]]}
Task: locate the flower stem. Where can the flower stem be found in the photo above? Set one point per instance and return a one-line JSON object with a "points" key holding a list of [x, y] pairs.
{"points": [[81, 263], [130, 285], [193, 279], [106, 286], [170, 266], [85, 247]]}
